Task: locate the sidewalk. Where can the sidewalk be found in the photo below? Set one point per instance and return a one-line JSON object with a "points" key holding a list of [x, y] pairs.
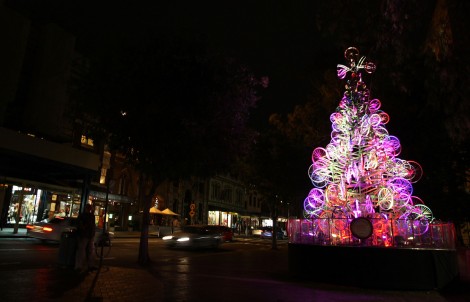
{"points": [[9, 233], [108, 283], [55, 283], [135, 283]]}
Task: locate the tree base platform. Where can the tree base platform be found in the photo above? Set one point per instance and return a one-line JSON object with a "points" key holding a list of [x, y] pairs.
{"points": [[374, 267]]}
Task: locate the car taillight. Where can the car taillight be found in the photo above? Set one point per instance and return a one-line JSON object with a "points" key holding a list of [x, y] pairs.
{"points": [[47, 229], [30, 227]]}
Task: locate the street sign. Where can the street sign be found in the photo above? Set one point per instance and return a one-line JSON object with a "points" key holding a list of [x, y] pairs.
{"points": [[193, 208]]}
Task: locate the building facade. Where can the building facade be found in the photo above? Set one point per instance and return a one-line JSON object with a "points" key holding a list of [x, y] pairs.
{"points": [[46, 167], [49, 168], [218, 200]]}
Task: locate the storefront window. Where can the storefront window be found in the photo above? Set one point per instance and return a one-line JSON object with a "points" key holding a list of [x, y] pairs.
{"points": [[23, 205], [213, 217], [65, 205], [29, 205], [221, 218]]}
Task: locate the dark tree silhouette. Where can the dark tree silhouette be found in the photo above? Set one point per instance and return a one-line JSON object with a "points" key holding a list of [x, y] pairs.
{"points": [[173, 109]]}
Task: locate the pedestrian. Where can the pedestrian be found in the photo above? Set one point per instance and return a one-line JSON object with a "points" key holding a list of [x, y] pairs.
{"points": [[3, 218], [84, 258]]}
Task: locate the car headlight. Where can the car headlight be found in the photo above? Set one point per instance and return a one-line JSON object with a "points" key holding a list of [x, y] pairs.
{"points": [[183, 239], [167, 237]]}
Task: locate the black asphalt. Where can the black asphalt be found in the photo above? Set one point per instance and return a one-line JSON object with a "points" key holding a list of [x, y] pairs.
{"points": [[135, 283]]}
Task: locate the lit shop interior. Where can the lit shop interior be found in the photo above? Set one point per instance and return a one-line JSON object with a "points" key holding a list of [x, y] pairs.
{"points": [[30, 204]]}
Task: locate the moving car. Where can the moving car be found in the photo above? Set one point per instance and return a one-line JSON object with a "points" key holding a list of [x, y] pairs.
{"points": [[225, 231], [267, 232], [194, 237], [256, 232], [52, 229]]}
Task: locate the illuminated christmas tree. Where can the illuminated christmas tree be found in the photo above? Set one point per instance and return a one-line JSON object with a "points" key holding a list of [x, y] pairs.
{"points": [[358, 174]]}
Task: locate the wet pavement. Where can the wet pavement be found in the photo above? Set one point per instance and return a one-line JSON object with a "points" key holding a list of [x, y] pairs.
{"points": [[259, 281]]}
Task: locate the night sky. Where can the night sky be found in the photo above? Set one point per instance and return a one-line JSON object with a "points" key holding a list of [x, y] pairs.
{"points": [[297, 45], [291, 42], [277, 39], [294, 43]]}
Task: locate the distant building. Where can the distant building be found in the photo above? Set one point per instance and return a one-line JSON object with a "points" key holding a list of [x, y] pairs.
{"points": [[219, 200], [48, 167]]}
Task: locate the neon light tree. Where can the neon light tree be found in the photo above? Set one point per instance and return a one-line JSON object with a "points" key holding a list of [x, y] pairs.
{"points": [[359, 174]]}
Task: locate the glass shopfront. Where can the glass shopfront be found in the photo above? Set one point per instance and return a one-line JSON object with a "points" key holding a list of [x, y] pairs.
{"points": [[221, 218], [29, 204], [24, 205], [120, 213]]}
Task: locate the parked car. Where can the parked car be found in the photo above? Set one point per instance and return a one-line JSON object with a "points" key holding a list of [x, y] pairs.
{"points": [[52, 229], [194, 237], [267, 232], [226, 232]]}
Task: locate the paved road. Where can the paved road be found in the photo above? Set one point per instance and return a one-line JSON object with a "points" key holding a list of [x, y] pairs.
{"points": [[260, 274]]}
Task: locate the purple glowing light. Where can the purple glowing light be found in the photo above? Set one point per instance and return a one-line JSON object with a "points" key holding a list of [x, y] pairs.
{"points": [[359, 174]]}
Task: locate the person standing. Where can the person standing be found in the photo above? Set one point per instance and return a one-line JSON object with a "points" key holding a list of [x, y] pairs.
{"points": [[84, 258]]}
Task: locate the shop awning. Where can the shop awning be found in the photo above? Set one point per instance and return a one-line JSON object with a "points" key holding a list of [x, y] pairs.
{"points": [[169, 212], [111, 197], [40, 185], [37, 160], [154, 210]]}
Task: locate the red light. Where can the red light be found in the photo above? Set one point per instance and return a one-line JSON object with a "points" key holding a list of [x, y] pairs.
{"points": [[47, 229], [30, 227]]}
